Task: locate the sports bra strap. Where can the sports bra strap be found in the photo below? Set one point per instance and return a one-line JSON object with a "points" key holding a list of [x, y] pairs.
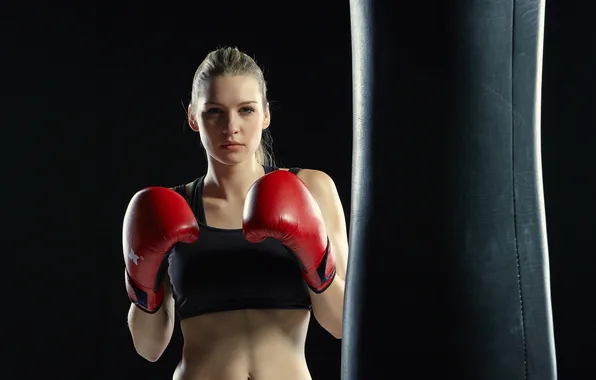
{"points": [[181, 189], [269, 169], [195, 198]]}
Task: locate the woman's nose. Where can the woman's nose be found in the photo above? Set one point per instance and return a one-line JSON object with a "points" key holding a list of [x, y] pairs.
{"points": [[231, 124]]}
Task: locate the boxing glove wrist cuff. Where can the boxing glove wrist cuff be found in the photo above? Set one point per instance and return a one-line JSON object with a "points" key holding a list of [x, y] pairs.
{"points": [[321, 277], [140, 307], [150, 302]]}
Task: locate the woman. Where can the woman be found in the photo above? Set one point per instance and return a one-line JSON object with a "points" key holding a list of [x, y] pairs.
{"points": [[243, 253]]}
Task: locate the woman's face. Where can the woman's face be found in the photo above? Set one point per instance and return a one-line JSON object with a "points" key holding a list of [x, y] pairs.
{"points": [[230, 118]]}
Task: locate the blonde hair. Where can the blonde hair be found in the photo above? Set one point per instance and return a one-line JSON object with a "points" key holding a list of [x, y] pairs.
{"points": [[229, 61]]}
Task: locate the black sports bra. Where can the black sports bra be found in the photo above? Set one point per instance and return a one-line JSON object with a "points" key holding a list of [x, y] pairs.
{"points": [[222, 271]]}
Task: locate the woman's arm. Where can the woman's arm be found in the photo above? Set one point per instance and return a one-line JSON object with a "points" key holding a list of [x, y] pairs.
{"points": [[151, 333], [328, 306]]}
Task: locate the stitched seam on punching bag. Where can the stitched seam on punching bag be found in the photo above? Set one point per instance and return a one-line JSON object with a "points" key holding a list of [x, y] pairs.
{"points": [[514, 197]]}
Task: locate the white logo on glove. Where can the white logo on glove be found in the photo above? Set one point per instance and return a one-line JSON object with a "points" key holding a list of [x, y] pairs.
{"points": [[134, 258]]}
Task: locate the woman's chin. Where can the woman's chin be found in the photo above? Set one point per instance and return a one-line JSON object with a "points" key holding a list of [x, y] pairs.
{"points": [[230, 158]]}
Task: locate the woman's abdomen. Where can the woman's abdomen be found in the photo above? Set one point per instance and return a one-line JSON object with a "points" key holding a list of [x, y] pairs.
{"points": [[245, 344]]}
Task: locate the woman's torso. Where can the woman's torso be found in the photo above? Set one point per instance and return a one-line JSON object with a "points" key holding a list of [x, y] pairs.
{"points": [[259, 343], [245, 344]]}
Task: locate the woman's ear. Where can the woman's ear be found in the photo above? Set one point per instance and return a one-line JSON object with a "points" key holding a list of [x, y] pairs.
{"points": [[267, 119], [191, 120]]}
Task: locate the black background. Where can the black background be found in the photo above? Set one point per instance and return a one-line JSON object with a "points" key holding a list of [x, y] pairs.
{"points": [[94, 99]]}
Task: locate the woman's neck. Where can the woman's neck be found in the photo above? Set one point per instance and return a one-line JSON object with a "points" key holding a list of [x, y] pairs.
{"points": [[231, 182]]}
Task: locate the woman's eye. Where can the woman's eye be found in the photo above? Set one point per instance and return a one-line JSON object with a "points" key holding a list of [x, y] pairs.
{"points": [[216, 111]]}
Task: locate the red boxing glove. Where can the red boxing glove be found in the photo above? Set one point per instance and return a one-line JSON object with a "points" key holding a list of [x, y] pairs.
{"points": [[155, 220], [279, 205]]}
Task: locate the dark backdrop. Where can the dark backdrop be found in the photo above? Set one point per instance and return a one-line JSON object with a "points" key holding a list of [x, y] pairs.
{"points": [[94, 99], [569, 159]]}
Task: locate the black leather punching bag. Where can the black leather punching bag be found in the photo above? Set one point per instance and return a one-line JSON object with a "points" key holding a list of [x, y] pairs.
{"points": [[448, 272]]}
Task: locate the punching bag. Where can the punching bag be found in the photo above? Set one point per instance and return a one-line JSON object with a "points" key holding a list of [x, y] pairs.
{"points": [[448, 273]]}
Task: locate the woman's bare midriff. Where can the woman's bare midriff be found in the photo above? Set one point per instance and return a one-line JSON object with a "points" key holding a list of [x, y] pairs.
{"points": [[245, 344]]}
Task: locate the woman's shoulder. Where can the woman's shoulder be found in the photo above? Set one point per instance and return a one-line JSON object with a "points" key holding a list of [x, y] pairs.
{"points": [[185, 189], [311, 177]]}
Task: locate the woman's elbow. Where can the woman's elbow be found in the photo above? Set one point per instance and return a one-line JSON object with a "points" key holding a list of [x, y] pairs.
{"points": [[150, 351], [330, 323], [334, 328], [151, 357], [336, 334], [151, 333]]}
